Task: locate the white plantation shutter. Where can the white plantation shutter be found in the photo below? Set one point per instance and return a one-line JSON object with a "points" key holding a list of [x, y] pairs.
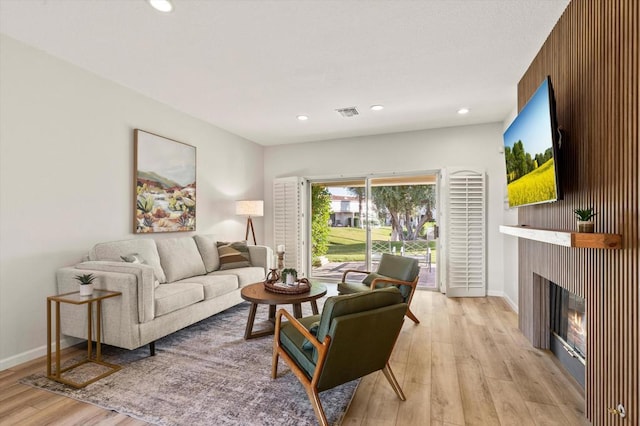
{"points": [[466, 229], [288, 224]]}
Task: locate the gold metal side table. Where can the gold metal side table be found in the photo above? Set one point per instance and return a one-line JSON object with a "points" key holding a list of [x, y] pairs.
{"points": [[74, 298]]}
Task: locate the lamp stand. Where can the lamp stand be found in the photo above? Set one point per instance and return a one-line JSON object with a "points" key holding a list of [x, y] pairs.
{"points": [[246, 235]]}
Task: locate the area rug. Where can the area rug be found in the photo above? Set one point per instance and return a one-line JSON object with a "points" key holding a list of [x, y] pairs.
{"points": [[205, 374]]}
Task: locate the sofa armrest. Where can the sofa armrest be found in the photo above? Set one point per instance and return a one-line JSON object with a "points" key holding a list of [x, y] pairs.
{"points": [[261, 256], [116, 276]]}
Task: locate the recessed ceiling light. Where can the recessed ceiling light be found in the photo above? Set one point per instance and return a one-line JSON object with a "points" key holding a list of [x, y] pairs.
{"points": [[303, 117], [463, 111], [377, 107], [161, 5]]}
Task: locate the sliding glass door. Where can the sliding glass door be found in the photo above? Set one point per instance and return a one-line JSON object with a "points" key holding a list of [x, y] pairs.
{"points": [[338, 227], [353, 222]]}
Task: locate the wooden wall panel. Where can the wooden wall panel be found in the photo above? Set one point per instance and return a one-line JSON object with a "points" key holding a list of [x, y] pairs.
{"points": [[593, 60]]}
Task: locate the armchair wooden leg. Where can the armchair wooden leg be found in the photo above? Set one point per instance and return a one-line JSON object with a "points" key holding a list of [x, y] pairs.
{"points": [[412, 317], [316, 404], [393, 382], [274, 362], [312, 393], [276, 342]]}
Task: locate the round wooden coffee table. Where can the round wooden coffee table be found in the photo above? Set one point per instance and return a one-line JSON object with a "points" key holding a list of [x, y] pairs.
{"points": [[257, 295]]}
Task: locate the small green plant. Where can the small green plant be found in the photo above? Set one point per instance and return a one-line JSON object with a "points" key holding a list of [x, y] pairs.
{"points": [[85, 278], [289, 271], [584, 214]]}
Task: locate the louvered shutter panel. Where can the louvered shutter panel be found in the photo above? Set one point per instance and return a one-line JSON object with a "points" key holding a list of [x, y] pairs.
{"points": [[466, 226], [288, 225]]}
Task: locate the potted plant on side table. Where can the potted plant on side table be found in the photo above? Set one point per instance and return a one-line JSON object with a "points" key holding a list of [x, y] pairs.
{"points": [[585, 224], [86, 284], [289, 276]]}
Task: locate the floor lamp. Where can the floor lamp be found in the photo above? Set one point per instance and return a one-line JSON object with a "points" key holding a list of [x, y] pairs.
{"points": [[250, 208]]}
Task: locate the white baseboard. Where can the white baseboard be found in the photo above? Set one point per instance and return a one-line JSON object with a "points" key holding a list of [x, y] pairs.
{"points": [[510, 302], [32, 354]]}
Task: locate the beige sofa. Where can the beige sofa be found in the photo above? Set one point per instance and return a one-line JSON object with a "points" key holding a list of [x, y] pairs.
{"points": [[180, 282]]}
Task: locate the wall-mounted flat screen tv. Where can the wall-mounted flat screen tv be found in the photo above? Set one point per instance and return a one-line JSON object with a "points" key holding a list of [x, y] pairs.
{"points": [[531, 151]]}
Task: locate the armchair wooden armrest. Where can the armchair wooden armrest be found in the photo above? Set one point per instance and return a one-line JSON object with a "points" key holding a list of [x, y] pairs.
{"points": [[298, 326], [344, 275]]}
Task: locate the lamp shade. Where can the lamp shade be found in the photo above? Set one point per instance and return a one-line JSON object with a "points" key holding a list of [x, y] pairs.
{"points": [[253, 208]]}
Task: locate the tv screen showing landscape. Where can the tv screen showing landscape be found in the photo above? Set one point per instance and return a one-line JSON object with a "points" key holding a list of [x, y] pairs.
{"points": [[529, 151]]}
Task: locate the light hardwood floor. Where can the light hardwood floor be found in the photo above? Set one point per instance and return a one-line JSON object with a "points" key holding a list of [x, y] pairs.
{"points": [[466, 363]]}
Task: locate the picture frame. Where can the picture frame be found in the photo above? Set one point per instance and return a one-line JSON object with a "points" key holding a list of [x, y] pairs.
{"points": [[164, 184]]}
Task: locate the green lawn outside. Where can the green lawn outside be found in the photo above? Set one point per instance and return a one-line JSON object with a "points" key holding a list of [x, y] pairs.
{"points": [[343, 235], [348, 244]]}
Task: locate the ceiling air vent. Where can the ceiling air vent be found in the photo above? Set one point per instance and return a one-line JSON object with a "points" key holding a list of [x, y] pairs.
{"points": [[348, 112]]}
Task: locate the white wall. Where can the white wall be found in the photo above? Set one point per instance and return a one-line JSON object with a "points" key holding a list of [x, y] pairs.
{"points": [[66, 179], [510, 243], [469, 146]]}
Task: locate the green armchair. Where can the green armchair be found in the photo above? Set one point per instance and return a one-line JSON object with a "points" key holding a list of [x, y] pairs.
{"points": [[326, 350], [398, 271]]}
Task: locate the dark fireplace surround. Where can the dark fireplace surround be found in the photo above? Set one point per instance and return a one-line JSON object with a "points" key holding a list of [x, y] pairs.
{"points": [[560, 324]]}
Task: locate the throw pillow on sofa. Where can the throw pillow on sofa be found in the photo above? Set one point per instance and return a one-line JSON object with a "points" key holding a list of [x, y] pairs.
{"points": [[133, 258], [233, 255], [136, 258], [209, 251]]}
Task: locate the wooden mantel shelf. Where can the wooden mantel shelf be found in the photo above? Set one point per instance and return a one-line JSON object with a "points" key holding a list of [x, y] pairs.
{"points": [[565, 238]]}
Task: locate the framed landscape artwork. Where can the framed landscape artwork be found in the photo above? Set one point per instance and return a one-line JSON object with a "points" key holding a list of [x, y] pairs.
{"points": [[165, 184]]}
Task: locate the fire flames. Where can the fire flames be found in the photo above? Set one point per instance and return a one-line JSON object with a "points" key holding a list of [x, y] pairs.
{"points": [[576, 334]]}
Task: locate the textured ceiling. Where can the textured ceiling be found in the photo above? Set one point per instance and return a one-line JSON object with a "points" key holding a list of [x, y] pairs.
{"points": [[251, 66]]}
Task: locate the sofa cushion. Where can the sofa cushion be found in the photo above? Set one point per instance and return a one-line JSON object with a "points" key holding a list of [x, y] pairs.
{"points": [[214, 286], [145, 247], [209, 251], [173, 296], [233, 255], [246, 276], [180, 258]]}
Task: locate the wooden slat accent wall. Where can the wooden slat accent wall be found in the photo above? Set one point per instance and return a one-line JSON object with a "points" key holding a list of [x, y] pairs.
{"points": [[593, 60]]}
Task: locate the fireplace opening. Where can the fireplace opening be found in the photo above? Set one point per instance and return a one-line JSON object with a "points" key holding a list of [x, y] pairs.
{"points": [[568, 326]]}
